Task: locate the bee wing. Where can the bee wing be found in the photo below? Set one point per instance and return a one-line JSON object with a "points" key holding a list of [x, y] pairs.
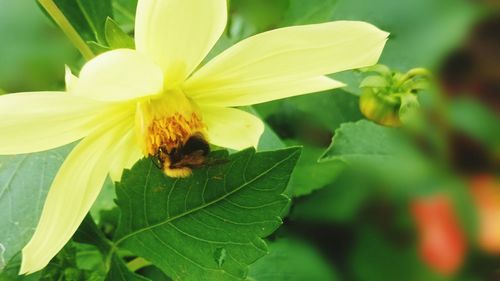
{"points": [[214, 162], [192, 160]]}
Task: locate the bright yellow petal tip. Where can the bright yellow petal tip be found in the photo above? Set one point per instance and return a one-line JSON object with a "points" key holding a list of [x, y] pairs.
{"points": [[232, 128], [178, 34], [286, 62]]}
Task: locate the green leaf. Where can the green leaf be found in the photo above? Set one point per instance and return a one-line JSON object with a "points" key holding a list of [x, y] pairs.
{"points": [[97, 48], [208, 226], [365, 141], [89, 233], [260, 15], [116, 37], [154, 273], [89, 258], [309, 175], [87, 17], [25, 182], [96, 12], [124, 11], [383, 153], [11, 271], [105, 201], [331, 108], [120, 272], [304, 115], [291, 260], [339, 202], [269, 140], [308, 12]]}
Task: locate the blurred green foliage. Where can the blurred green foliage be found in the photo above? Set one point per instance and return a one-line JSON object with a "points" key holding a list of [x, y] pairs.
{"points": [[292, 260], [32, 52]]}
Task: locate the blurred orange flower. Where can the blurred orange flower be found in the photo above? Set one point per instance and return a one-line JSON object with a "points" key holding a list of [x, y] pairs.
{"points": [[486, 192], [441, 239]]}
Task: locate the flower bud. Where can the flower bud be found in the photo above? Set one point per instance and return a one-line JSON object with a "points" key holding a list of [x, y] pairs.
{"points": [[408, 109], [381, 109], [390, 98]]}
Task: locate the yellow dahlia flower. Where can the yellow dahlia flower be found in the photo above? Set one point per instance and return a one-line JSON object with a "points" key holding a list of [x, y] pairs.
{"points": [[127, 104]]}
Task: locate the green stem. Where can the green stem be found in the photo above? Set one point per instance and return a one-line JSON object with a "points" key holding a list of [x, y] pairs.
{"points": [[67, 28], [137, 264], [109, 256]]}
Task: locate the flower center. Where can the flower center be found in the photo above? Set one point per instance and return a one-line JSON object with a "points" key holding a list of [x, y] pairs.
{"points": [[170, 130]]}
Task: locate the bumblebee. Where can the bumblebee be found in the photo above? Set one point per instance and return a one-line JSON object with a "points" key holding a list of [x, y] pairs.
{"points": [[180, 161]]}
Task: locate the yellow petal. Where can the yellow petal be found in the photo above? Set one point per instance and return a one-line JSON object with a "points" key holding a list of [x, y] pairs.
{"points": [[32, 122], [70, 79], [121, 74], [178, 34], [260, 91], [292, 53], [73, 192], [232, 128]]}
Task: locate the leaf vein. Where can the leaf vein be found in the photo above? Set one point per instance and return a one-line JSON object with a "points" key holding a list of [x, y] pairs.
{"points": [[257, 177]]}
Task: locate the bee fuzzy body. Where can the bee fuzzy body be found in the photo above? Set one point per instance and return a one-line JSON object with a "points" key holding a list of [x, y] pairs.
{"points": [[180, 162]]}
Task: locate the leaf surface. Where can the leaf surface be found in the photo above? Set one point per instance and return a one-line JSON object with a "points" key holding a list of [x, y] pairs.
{"points": [[308, 12], [24, 183], [384, 153], [292, 260], [88, 17], [208, 226], [120, 272], [365, 141]]}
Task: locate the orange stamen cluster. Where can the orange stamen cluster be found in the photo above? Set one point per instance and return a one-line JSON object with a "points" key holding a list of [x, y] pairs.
{"points": [[171, 131]]}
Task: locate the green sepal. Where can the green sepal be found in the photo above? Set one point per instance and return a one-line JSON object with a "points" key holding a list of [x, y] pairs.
{"points": [[116, 37], [409, 107], [374, 81], [97, 48]]}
